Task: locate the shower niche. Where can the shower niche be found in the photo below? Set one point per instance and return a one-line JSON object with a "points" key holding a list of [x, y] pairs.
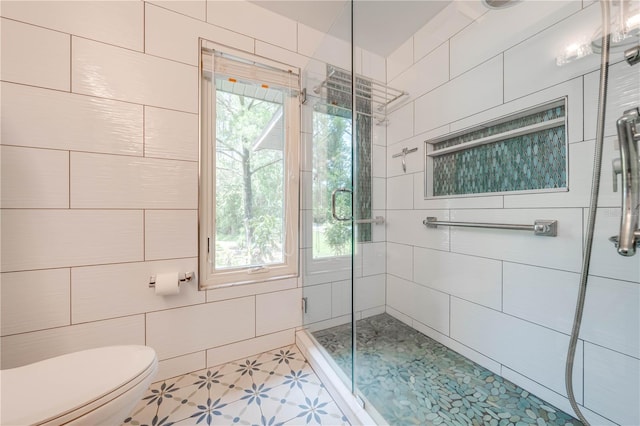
{"points": [[518, 153]]}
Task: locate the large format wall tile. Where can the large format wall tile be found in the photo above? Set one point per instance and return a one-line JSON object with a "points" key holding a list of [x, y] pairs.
{"points": [[111, 72], [22, 349], [177, 331], [111, 181], [40, 239], [23, 62], [107, 291], [534, 351], [287, 315], [194, 8], [69, 121], [612, 384], [170, 234], [170, 134], [182, 43], [473, 91], [34, 178], [561, 252], [472, 278], [115, 22], [500, 29], [35, 300]]}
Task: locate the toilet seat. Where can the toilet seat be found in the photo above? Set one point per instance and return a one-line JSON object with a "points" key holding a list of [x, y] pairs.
{"points": [[65, 388]]}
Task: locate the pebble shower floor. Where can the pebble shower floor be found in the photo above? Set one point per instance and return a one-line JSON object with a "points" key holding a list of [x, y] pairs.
{"points": [[274, 388], [413, 380]]}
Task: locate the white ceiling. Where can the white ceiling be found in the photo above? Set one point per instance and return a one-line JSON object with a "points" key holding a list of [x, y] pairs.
{"points": [[380, 26]]}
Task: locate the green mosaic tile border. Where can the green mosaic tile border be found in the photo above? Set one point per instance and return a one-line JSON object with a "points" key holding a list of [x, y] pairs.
{"points": [[529, 162]]}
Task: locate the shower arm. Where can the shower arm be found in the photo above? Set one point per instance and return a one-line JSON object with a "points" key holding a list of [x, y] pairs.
{"points": [[628, 167]]}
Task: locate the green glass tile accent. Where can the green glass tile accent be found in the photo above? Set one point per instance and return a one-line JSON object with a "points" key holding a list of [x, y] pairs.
{"points": [[533, 161]]}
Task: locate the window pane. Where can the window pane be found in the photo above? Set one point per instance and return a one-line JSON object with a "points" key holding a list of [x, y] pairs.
{"points": [[331, 170], [249, 227]]}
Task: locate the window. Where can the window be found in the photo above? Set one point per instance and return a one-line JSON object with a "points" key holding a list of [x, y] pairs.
{"points": [[248, 170]]}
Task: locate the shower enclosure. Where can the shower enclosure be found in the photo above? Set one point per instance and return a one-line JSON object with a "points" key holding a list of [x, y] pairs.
{"points": [[473, 113]]}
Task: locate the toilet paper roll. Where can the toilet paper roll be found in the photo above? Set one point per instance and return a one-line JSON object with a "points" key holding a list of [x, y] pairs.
{"points": [[167, 284]]}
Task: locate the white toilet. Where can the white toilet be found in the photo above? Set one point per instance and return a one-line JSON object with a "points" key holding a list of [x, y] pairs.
{"points": [[92, 387]]}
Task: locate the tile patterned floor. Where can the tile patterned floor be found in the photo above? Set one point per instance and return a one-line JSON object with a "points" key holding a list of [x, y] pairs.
{"points": [[412, 379], [274, 388]]}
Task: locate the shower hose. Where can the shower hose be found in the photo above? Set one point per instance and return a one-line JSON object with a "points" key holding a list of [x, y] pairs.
{"points": [[593, 206]]}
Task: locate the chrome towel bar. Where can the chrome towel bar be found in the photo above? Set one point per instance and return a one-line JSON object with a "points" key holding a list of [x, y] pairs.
{"points": [[543, 228]]}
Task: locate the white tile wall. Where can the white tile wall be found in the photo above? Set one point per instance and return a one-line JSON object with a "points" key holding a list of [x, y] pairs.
{"points": [[174, 332], [426, 74], [476, 90], [170, 134], [605, 260], [400, 191], [24, 62], [288, 313], [479, 280], [612, 315], [340, 298], [106, 71], [623, 93], [69, 121], [536, 352], [400, 260], [119, 23], [25, 348], [180, 365], [400, 59], [528, 288], [107, 291], [111, 181], [40, 239], [405, 227], [182, 43], [245, 348], [500, 29], [438, 30], [34, 300], [428, 306], [279, 54], [170, 234], [400, 124], [561, 252], [370, 292], [531, 65], [319, 300], [612, 384], [528, 285], [194, 8], [373, 258], [232, 292], [34, 178]]}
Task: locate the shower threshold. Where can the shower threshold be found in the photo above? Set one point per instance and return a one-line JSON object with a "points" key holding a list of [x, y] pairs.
{"points": [[411, 379]]}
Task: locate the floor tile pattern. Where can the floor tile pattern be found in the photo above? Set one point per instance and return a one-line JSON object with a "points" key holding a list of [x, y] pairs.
{"points": [[412, 379], [274, 388]]}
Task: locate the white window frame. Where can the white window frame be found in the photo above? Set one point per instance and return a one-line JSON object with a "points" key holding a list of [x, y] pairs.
{"points": [[255, 69]]}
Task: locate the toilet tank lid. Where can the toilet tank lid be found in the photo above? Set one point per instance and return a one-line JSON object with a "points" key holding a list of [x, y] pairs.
{"points": [[46, 389]]}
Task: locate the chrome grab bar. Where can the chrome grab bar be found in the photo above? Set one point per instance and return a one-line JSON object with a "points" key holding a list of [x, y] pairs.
{"points": [[378, 220], [628, 166], [542, 228]]}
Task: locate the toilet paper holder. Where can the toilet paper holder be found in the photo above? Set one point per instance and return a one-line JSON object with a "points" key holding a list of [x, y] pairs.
{"points": [[182, 278]]}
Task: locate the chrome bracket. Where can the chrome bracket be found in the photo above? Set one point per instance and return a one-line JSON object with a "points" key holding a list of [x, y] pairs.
{"points": [[545, 228]]}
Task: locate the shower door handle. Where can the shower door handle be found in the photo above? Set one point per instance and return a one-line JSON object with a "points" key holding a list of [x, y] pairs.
{"points": [[628, 136], [333, 204]]}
